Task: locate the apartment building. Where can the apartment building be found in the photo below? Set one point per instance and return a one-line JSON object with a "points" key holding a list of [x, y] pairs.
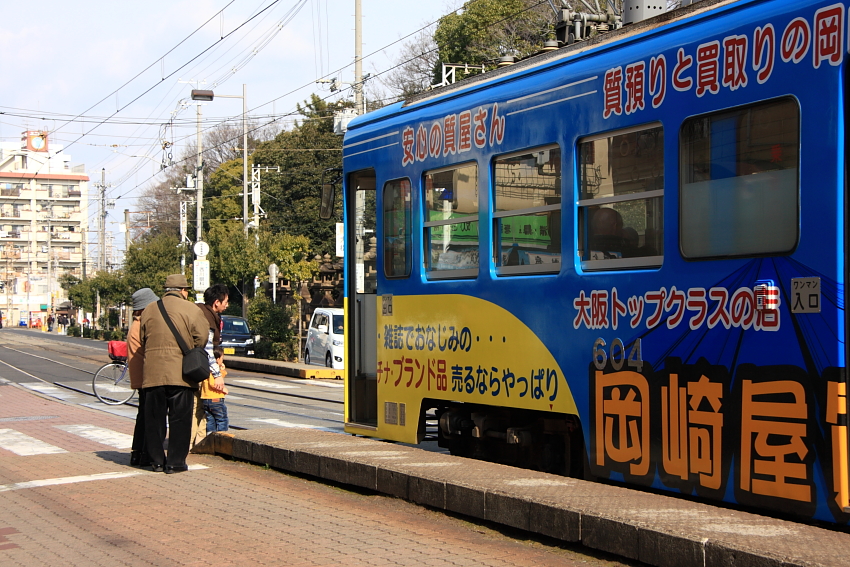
{"points": [[43, 224]]}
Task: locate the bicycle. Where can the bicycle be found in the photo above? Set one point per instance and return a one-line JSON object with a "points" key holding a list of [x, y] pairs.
{"points": [[111, 383]]}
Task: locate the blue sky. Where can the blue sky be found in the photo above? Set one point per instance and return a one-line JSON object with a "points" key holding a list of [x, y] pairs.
{"points": [[64, 59]]}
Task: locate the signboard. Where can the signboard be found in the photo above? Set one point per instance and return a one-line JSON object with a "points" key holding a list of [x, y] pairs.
{"points": [[201, 272]]}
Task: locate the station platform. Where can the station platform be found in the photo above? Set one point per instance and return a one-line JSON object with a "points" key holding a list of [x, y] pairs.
{"points": [[291, 369], [651, 528]]}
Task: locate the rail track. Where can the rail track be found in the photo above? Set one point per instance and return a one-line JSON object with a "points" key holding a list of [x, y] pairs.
{"points": [[289, 404]]}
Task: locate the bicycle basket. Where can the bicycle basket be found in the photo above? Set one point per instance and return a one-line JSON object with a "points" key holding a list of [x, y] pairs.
{"points": [[117, 350]]}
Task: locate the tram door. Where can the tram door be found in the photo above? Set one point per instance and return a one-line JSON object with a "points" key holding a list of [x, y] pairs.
{"points": [[362, 299]]}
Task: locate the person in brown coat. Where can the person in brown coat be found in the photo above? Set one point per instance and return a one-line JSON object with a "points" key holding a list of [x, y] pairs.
{"points": [[168, 393], [135, 365]]}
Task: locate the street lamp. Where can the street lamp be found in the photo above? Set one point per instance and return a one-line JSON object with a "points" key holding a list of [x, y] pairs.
{"points": [[208, 96]]}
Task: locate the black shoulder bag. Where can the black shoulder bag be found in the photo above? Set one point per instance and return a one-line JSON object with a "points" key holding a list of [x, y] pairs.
{"points": [[196, 362]]}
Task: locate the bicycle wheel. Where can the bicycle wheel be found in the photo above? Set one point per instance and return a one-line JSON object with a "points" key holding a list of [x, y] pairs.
{"points": [[111, 384]]}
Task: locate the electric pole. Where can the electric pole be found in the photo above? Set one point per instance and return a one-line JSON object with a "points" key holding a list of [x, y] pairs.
{"points": [[199, 181], [358, 59], [101, 229], [126, 232]]}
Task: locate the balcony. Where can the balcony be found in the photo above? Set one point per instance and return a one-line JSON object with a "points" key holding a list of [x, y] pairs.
{"points": [[9, 191], [11, 234], [10, 214], [10, 254]]}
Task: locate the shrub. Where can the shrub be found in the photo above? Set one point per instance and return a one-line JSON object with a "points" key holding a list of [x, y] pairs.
{"points": [[271, 350], [87, 334], [73, 331], [95, 334]]}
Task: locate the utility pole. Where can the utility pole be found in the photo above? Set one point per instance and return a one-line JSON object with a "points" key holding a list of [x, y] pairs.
{"points": [[126, 232], [101, 257], [245, 158], [199, 181], [101, 229], [358, 59], [255, 192]]}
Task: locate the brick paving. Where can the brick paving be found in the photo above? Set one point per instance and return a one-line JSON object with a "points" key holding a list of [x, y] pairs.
{"points": [[230, 513]]}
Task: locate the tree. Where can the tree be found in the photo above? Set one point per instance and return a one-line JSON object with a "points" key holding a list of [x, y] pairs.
{"points": [[416, 66], [150, 260], [291, 198], [485, 30], [112, 287], [236, 260]]}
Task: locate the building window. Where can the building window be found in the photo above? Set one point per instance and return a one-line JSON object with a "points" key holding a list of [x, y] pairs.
{"points": [[527, 211], [451, 222], [397, 229], [739, 187], [621, 206]]}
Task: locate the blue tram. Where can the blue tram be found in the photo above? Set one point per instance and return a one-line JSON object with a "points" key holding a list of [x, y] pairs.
{"points": [[623, 259]]}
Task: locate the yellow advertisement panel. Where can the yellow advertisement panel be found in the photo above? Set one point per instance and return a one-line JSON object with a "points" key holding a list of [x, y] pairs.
{"points": [[459, 348]]}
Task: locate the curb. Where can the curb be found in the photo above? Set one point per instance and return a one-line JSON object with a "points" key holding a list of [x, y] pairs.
{"points": [[654, 529]]}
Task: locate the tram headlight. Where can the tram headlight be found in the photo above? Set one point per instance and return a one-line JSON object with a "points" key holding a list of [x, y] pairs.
{"points": [[337, 342]]}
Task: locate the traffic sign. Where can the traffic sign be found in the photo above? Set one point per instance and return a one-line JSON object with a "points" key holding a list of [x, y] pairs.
{"points": [[201, 249], [201, 273]]}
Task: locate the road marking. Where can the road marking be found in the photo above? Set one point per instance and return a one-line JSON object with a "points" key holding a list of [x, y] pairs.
{"points": [[327, 384], [47, 389], [67, 480], [100, 435], [22, 371], [281, 423], [24, 445], [265, 384], [4, 381], [83, 478]]}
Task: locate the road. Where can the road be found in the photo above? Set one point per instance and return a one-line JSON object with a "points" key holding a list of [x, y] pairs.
{"points": [[69, 497]]}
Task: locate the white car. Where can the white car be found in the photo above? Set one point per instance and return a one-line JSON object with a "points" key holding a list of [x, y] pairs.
{"points": [[325, 341]]}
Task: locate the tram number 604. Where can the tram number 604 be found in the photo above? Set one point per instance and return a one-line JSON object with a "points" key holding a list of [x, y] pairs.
{"points": [[617, 354]]}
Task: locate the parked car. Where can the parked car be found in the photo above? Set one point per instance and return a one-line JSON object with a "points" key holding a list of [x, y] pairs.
{"points": [[236, 336], [325, 342]]}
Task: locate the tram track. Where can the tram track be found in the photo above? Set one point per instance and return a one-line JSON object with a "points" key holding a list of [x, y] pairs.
{"points": [[237, 390]]}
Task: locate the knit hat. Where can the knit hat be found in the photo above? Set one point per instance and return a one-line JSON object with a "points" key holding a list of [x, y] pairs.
{"points": [[176, 280], [143, 298]]}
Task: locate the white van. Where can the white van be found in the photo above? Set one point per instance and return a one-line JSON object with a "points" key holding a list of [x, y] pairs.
{"points": [[325, 340]]}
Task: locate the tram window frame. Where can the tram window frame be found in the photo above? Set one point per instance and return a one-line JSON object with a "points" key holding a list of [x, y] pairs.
{"points": [[649, 255], [552, 212], [718, 220], [467, 271], [393, 244]]}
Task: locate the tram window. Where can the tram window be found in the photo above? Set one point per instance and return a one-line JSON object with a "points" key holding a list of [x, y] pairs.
{"points": [[451, 222], [621, 199], [739, 187], [397, 228], [527, 215]]}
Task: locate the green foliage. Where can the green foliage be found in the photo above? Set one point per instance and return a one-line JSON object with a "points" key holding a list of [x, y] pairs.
{"points": [[150, 261], [87, 332], [485, 30], [292, 197], [112, 287], [73, 331], [235, 259], [273, 322], [276, 351]]}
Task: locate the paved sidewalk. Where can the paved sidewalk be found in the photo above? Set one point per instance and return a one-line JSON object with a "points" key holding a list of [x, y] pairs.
{"points": [[652, 528], [68, 498]]}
